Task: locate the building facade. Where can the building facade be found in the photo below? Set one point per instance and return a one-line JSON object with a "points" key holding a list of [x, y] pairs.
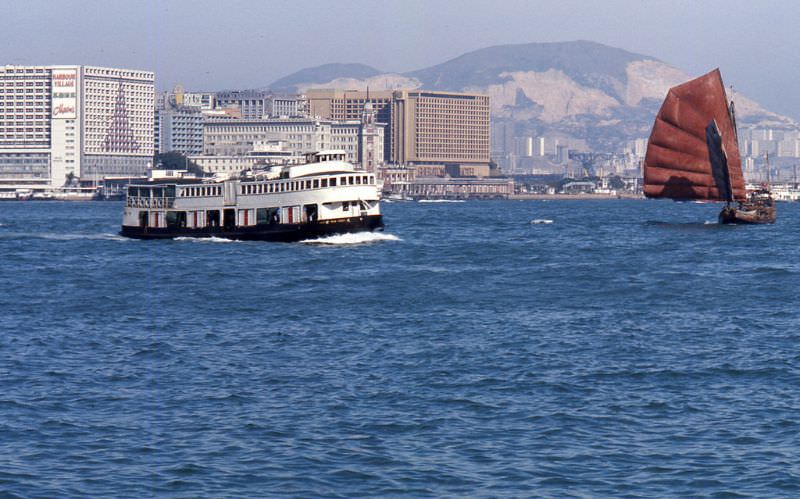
{"points": [[300, 135], [180, 129], [348, 105], [254, 104], [59, 123], [440, 127]]}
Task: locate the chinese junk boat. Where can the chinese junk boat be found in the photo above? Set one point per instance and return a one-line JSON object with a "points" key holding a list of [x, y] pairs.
{"points": [[324, 196], [693, 153]]}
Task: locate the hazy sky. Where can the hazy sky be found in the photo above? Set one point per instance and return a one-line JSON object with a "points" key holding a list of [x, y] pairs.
{"points": [[212, 45]]}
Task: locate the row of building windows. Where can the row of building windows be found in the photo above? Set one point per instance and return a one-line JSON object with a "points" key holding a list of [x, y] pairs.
{"points": [[117, 73]]}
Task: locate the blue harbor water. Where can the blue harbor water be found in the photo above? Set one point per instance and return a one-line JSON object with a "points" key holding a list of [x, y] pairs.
{"points": [[628, 348]]}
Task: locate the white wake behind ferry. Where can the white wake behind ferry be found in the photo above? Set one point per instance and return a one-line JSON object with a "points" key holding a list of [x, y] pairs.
{"points": [[324, 196]]}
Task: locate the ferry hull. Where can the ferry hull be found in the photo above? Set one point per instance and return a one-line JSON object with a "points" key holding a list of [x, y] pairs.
{"points": [[273, 232]]}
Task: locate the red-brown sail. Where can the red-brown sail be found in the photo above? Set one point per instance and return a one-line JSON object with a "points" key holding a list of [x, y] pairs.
{"points": [[693, 152]]}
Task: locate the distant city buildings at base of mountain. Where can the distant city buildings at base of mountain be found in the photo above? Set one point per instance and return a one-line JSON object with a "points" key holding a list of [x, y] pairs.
{"points": [[559, 154]]}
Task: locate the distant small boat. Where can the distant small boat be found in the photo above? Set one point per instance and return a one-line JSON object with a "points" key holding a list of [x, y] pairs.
{"points": [[693, 153], [541, 221], [396, 197]]}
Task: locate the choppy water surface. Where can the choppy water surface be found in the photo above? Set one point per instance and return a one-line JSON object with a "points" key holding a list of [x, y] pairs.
{"points": [[626, 348]]}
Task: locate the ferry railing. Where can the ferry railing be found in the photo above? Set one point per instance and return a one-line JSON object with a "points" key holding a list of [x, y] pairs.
{"points": [[146, 202]]}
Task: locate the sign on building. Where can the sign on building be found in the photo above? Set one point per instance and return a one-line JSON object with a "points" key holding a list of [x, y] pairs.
{"points": [[64, 93]]}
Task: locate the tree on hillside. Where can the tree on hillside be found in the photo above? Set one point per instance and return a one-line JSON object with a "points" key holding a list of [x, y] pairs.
{"points": [[175, 160], [616, 182]]}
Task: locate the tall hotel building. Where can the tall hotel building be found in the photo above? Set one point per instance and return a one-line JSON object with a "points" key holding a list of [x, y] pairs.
{"points": [[449, 128], [61, 122]]}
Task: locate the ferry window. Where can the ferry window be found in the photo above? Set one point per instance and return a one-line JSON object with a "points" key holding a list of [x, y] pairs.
{"points": [[358, 180], [212, 218], [158, 192], [262, 216], [316, 183], [345, 206], [308, 184], [133, 191], [371, 179], [324, 182], [350, 181], [169, 191], [311, 212], [333, 182], [176, 219]]}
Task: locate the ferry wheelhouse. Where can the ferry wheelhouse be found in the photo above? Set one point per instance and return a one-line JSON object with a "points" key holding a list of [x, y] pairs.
{"points": [[324, 196]]}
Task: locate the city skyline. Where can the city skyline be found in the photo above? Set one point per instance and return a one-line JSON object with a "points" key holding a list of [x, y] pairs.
{"points": [[206, 46]]}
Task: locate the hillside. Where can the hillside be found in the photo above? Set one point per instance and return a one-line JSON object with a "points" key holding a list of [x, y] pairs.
{"points": [[585, 90], [326, 72]]}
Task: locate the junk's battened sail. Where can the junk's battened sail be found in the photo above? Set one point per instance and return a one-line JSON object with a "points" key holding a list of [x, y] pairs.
{"points": [[693, 152]]}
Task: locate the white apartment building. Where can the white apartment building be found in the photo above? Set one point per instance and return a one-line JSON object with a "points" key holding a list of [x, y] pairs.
{"points": [[300, 135], [62, 122], [180, 129]]}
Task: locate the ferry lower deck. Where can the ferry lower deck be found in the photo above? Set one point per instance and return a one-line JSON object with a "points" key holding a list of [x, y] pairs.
{"points": [[277, 232]]}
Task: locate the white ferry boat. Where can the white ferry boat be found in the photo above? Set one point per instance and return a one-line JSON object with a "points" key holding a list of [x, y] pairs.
{"points": [[324, 196]]}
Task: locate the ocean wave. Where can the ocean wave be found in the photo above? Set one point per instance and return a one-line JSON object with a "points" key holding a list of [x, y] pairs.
{"points": [[54, 236], [352, 238], [212, 239], [441, 201]]}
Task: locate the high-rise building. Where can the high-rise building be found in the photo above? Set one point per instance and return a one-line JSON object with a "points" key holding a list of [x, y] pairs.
{"points": [[63, 122], [346, 105], [439, 128], [180, 129]]}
